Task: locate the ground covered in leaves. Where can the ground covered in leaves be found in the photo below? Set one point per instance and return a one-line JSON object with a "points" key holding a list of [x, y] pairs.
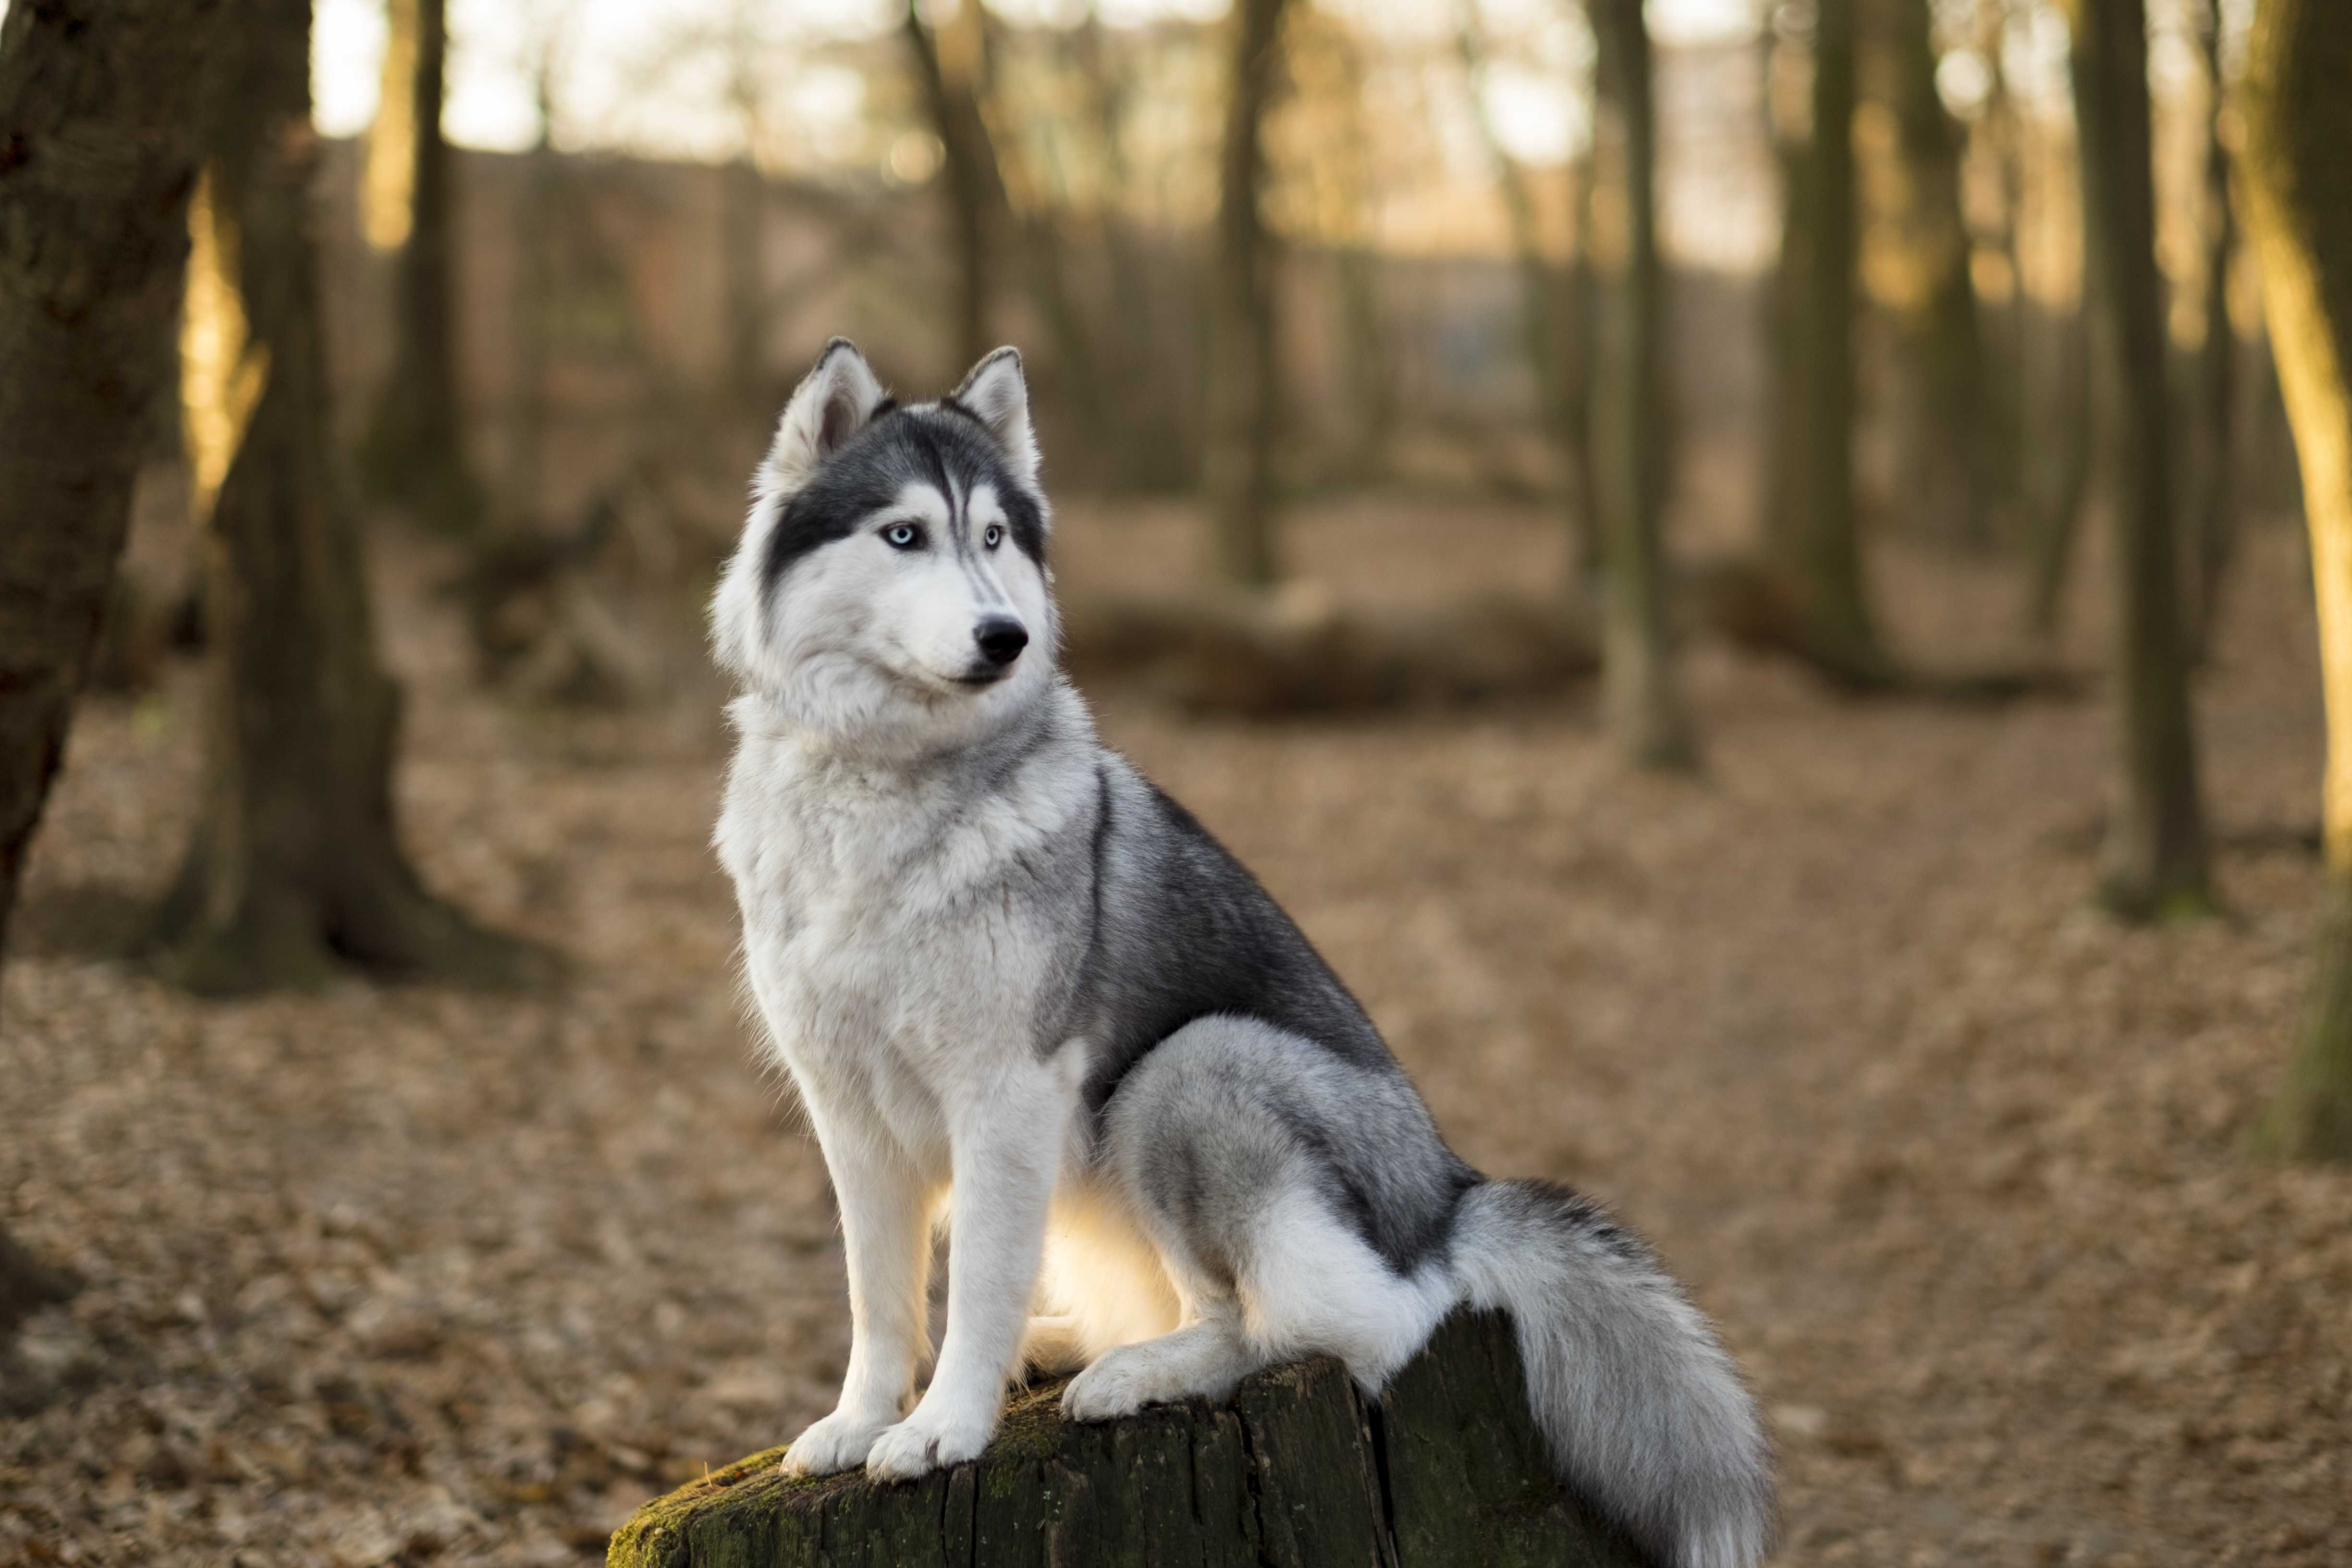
{"points": [[407, 1276]]}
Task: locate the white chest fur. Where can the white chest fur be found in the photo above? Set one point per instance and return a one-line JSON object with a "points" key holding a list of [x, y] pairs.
{"points": [[898, 930]]}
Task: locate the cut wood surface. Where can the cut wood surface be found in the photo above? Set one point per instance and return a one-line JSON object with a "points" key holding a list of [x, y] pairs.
{"points": [[1296, 1470]]}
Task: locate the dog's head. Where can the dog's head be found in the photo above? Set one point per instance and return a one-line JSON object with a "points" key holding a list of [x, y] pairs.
{"points": [[890, 583]]}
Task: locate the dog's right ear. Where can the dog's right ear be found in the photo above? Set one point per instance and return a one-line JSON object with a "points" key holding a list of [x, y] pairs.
{"points": [[833, 402]]}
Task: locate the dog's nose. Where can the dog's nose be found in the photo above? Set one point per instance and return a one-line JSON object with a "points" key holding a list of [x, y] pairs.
{"points": [[1001, 639]]}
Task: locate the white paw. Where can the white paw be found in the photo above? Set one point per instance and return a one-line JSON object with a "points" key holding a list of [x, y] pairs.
{"points": [[927, 1441], [1120, 1383], [838, 1442]]}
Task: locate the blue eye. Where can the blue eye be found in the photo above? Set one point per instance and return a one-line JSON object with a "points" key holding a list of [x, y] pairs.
{"points": [[994, 537], [902, 536]]}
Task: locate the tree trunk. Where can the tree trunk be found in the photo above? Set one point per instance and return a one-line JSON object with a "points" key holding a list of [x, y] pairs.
{"points": [[415, 454], [742, 287], [1645, 710], [1786, 351], [1242, 398], [1555, 348], [2063, 485], [1152, 440], [95, 169], [2155, 856], [975, 194], [1951, 336], [2298, 122], [295, 861], [1837, 605], [529, 307], [1296, 1470], [2213, 519], [952, 66], [96, 102]]}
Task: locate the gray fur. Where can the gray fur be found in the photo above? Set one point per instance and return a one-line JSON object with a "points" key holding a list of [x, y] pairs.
{"points": [[1019, 987]]}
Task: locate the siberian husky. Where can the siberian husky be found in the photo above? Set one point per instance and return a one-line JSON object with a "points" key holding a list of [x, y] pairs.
{"points": [[1022, 992]]}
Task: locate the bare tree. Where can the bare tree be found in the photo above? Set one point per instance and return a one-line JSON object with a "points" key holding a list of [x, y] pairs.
{"points": [[1644, 709], [415, 454], [295, 863], [2212, 515], [1552, 325], [96, 102], [1241, 394], [90, 251], [975, 188], [1949, 333], [2298, 182], [1787, 348], [955, 70], [1838, 616], [2154, 859]]}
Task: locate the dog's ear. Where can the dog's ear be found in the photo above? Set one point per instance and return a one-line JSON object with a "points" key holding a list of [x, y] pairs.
{"points": [[997, 394], [832, 403]]}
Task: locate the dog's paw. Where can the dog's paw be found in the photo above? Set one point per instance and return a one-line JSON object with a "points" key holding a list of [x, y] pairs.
{"points": [[927, 1441], [1120, 1383], [839, 1442]]}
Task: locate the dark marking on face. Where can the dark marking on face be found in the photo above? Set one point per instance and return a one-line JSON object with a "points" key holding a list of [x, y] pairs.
{"points": [[953, 453]]}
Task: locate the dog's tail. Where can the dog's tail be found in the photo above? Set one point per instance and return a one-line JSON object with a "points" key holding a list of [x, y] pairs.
{"points": [[1644, 1413]]}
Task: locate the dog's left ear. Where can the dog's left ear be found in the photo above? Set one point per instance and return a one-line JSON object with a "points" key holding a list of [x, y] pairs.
{"points": [[997, 394]]}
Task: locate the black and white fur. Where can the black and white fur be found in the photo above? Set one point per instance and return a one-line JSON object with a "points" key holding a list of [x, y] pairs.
{"points": [[1022, 990]]}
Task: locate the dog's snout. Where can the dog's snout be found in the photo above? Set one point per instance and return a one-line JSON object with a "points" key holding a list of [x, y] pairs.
{"points": [[1001, 639]]}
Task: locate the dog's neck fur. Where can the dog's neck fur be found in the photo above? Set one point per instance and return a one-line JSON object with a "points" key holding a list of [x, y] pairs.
{"points": [[908, 763]]}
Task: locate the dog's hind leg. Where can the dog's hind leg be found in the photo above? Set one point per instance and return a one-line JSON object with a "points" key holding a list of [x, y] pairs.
{"points": [[1219, 1140], [1205, 1358]]}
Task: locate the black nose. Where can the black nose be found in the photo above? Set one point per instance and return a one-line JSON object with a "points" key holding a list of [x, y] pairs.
{"points": [[1001, 639]]}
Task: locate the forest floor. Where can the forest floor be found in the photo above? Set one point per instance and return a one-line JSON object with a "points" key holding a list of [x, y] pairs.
{"points": [[409, 1274]]}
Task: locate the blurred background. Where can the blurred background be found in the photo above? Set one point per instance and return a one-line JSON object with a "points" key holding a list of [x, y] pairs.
{"points": [[1783, 668]]}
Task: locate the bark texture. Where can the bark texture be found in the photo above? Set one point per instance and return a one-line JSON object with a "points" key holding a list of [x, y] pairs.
{"points": [[96, 163], [1644, 710], [2155, 859], [414, 455], [295, 863], [2298, 181], [1241, 394], [1297, 1471]]}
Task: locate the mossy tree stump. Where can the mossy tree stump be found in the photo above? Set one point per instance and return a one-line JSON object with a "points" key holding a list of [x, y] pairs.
{"points": [[1297, 1471]]}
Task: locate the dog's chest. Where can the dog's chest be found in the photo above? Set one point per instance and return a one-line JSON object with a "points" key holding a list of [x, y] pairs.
{"points": [[890, 954]]}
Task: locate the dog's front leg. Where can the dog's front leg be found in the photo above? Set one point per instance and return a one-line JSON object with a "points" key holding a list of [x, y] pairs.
{"points": [[1006, 1152], [886, 1234]]}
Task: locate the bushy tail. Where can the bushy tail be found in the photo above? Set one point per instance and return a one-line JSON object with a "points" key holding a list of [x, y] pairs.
{"points": [[1644, 1413]]}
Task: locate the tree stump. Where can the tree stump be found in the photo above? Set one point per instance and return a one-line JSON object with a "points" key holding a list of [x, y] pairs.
{"points": [[1296, 1470]]}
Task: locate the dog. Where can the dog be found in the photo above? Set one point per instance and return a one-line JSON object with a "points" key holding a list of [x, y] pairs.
{"points": [[1022, 990]]}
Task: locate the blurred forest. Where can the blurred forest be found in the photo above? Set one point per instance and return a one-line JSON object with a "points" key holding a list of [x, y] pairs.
{"points": [[1768, 578]]}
